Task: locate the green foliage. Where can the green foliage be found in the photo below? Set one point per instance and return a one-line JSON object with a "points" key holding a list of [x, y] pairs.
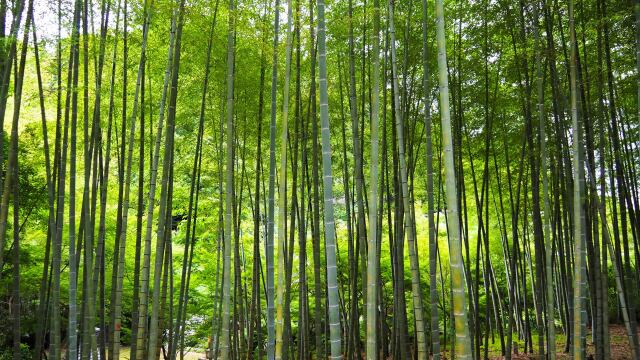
{"points": [[466, 55], [25, 353]]}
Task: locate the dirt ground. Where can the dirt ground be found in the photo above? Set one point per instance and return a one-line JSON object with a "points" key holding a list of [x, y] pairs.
{"points": [[191, 355], [620, 347]]}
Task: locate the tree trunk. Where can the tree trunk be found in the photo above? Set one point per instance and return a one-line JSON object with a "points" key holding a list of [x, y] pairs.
{"points": [[463, 343], [373, 258], [228, 234], [329, 222]]}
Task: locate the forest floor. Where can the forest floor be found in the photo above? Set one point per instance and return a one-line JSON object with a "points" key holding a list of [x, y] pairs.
{"points": [[189, 355], [620, 347]]}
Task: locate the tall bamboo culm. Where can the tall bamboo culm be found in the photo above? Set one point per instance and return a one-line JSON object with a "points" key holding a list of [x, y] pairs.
{"points": [[373, 264], [580, 252], [327, 179], [463, 340], [228, 220], [282, 196]]}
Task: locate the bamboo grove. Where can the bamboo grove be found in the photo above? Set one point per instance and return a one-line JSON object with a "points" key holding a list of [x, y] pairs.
{"points": [[292, 179]]}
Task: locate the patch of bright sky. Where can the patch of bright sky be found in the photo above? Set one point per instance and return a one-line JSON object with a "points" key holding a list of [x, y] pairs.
{"points": [[45, 14]]}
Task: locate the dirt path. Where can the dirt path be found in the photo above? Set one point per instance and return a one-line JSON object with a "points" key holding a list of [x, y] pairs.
{"points": [[191, 355]]}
